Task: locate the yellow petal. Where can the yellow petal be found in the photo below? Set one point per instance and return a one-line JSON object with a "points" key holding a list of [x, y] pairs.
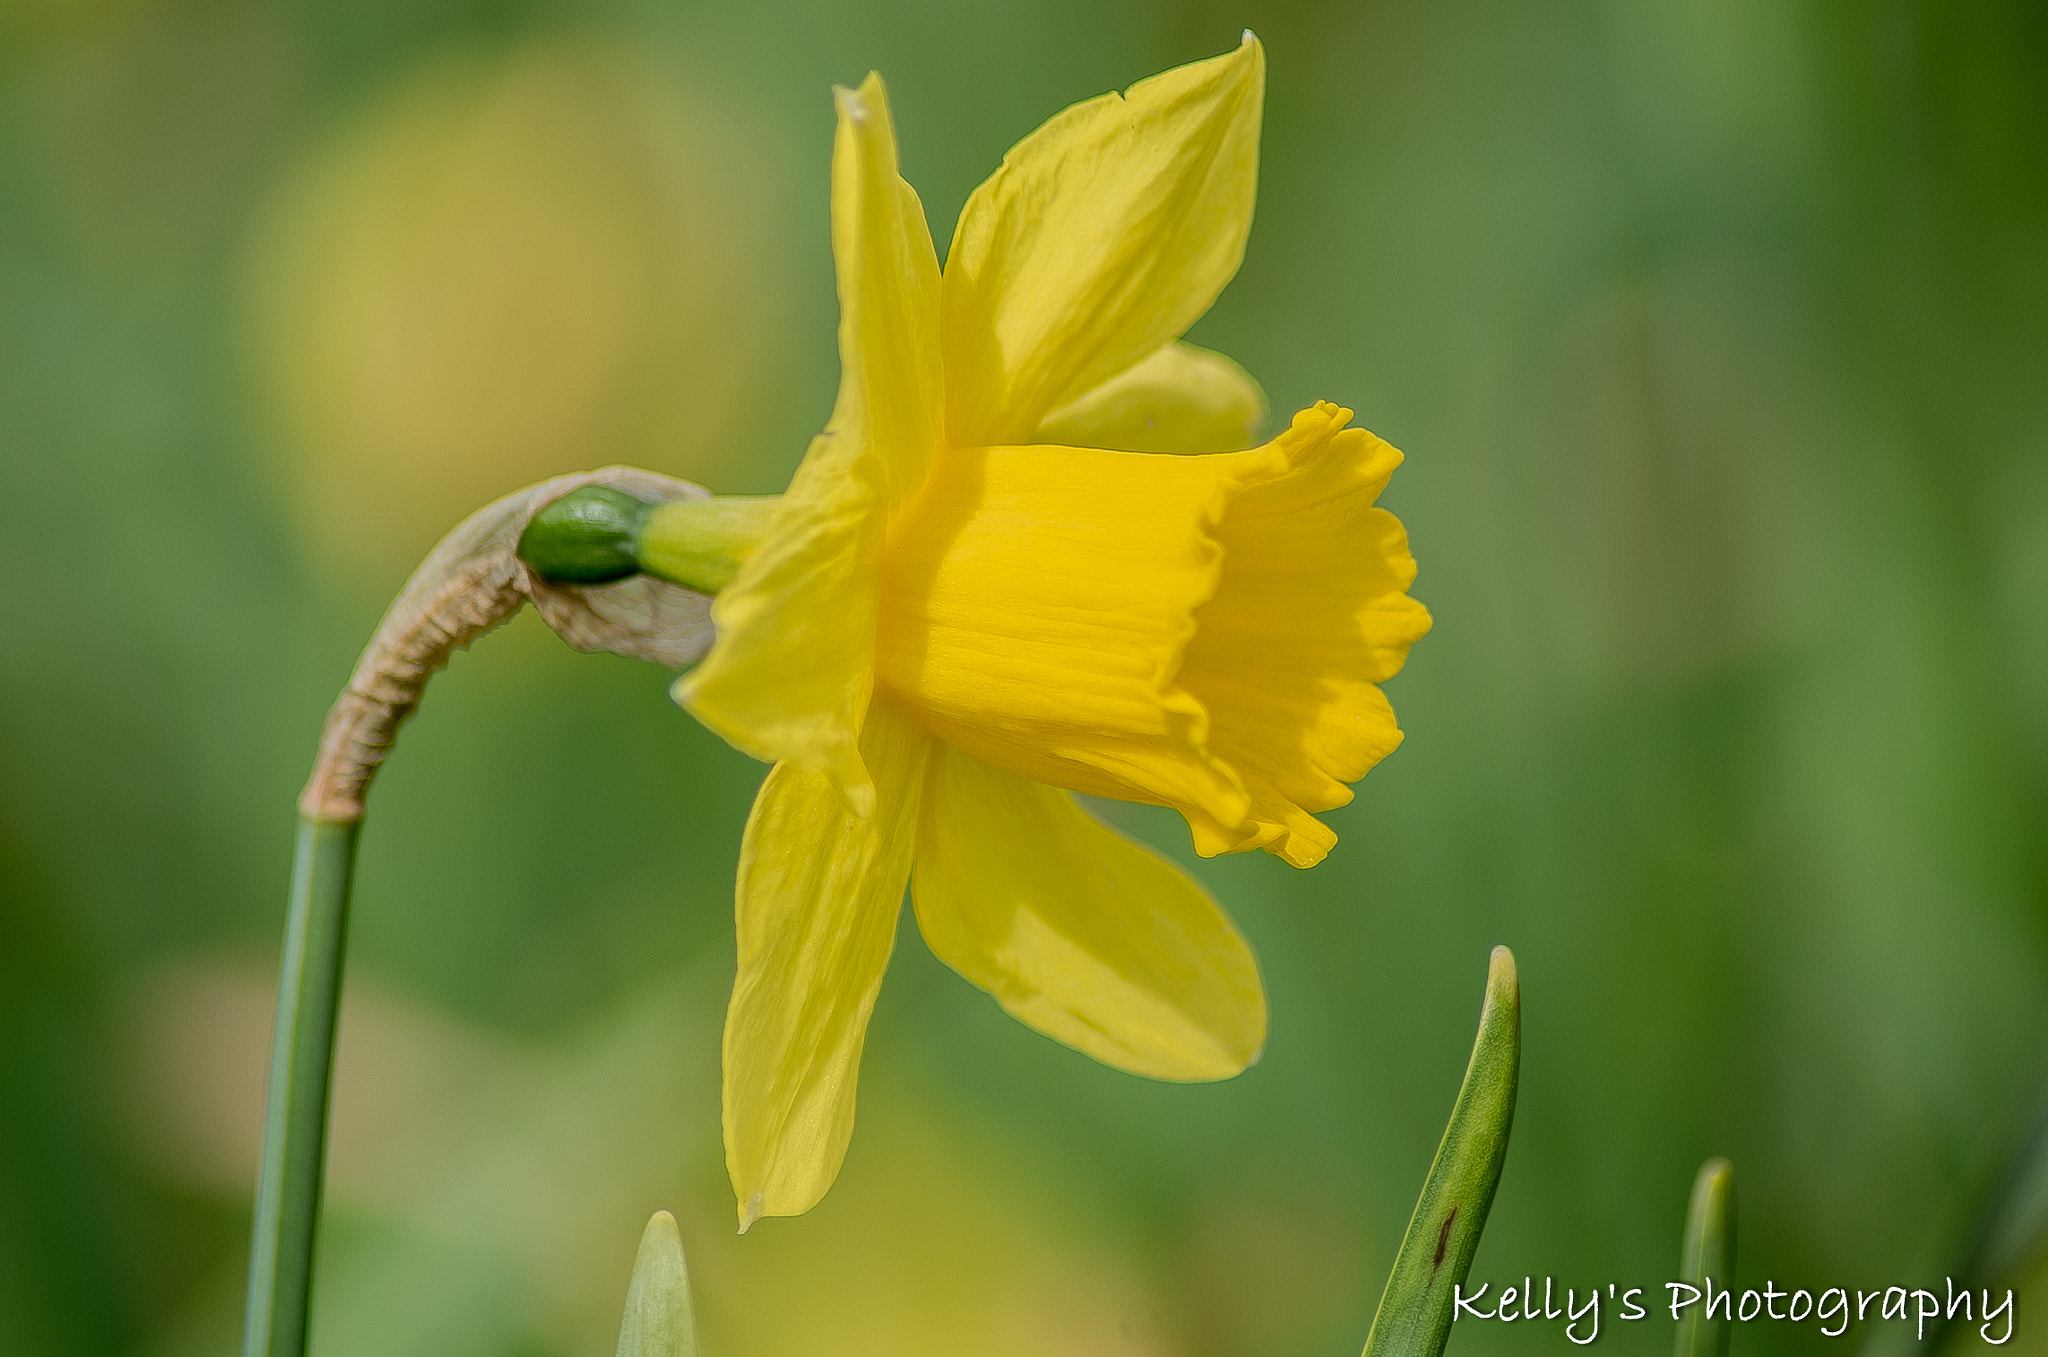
{"points": [[888, 293], [1035, 604], [1311, 613], [790, 676], [1181, 399], [1088, 937], [819, 892], [1104, 235]]}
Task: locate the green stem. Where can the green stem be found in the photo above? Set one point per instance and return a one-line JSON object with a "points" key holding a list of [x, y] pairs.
{"points": [[301, 1071], [467, 585]]}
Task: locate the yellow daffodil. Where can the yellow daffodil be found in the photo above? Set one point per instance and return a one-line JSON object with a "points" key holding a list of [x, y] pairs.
{"points": [[988, 588]]}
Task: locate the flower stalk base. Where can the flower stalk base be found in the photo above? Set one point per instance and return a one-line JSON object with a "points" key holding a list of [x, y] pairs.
{"points": [[301, 1075]]}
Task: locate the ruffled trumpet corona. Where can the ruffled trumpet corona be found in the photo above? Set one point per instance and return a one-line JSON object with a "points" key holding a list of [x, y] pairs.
{"points": [[1034, 553]]}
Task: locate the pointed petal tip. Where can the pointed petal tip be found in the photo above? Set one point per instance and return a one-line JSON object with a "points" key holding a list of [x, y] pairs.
{"points": [[680, 691], [750, 1211], [850, 103], [858, 103]]}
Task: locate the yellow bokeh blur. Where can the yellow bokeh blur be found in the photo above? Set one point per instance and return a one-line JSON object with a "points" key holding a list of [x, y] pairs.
{"points": [[507, 267]]}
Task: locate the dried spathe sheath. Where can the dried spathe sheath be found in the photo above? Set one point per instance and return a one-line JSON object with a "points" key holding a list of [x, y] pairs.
{"points": [[470, 583]]}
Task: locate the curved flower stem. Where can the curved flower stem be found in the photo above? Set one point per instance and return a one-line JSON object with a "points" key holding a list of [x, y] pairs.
{"points": [[470, 583], [301, 1068]]}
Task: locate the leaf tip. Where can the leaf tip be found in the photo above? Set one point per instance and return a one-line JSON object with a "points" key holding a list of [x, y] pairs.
{"points": [[1503, 982], [660, 1320]]}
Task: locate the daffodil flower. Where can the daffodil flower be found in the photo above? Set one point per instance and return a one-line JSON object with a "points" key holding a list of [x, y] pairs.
{"points": [[990, 586]]}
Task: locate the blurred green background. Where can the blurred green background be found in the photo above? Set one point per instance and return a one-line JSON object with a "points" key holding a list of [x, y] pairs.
{"points": [[1716, 332]]}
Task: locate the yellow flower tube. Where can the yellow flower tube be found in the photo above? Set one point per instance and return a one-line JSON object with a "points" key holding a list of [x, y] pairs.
{"points": [[992, 584]]}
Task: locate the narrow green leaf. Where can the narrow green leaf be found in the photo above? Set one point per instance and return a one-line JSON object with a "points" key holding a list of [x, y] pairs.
{"points": [[1415, 1313], [1709, 1256], [660, 1321]]}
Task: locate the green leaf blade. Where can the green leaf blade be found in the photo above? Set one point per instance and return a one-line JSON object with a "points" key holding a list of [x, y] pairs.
{"points": [[1415, 1312], [1708, 1256], [660, 1320]]}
